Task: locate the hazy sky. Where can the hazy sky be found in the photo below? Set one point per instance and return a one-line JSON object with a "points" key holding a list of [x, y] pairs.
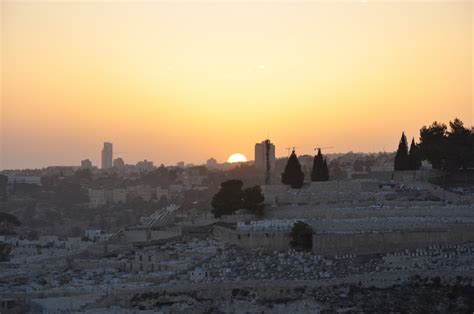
{"points": [[186, 81]]}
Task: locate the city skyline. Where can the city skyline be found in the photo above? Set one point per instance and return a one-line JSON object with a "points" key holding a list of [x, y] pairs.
{"points": [[237, 157], [170, 82]]}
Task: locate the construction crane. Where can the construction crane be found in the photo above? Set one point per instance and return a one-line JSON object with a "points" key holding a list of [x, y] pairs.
{"points": [[289, 148], [318, 148]]}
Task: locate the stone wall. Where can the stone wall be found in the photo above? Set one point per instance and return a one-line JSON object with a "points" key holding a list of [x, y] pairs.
{"points": [[323, 193], [390, 241], [390, 209], [142, 234], [271, 240]]}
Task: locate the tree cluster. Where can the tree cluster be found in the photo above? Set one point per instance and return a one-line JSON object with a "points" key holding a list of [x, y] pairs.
{"points": [[445, 149], [407, 159], [320, 170], [293, 175], [7, 221], [301, 236], [231, 197], [161, 176]]}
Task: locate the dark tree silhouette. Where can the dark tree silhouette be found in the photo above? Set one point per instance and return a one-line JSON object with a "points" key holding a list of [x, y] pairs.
{"points": [[69, 193], [320, 170], [161, 176], [414, 156], [401, 157], [9, 219], [301, 236], [84, 175], [458, 149], [231, 198], [293, 175], [5, 250], [228, 199], [3, 187], [432, 144], [253, 200]]}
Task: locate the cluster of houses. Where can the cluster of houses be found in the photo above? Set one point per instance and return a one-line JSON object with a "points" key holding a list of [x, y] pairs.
{"points": [[27, 251]]}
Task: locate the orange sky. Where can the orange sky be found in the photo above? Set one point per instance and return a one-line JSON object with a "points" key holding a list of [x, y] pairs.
{"points": [[187, 81]]}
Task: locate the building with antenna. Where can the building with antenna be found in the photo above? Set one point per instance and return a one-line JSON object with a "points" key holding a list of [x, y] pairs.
{"points": [[265, 158]]}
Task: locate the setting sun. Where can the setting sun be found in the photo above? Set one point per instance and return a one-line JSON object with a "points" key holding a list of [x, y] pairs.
{"points": [[237, 157]]}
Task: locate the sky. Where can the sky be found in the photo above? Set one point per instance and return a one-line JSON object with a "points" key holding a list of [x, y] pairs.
{"points": [[186, 81]]}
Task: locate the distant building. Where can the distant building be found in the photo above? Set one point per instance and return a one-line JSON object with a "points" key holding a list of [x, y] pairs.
{"points": [[96, 235], [265, 158], [86, 164], [119, 196], [97, 198], [145, 166], [119, 163], [143, 191], [211, 163], [15, 179], [160, 192], [61, 171], [107, 155], [180, 164], [175, 190]]}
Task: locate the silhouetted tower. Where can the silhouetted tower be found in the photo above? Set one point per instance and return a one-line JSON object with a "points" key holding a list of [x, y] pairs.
{"points": [[265, 159]]}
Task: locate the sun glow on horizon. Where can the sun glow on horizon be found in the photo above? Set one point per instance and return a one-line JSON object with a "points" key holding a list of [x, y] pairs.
{"points": [[237, 157], [188, 77]]}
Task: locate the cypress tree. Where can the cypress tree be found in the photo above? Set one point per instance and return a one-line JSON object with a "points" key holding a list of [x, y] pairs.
{"points": [[320, 170], [401, 158], [317, 172], [414, 156], [293, 175]]}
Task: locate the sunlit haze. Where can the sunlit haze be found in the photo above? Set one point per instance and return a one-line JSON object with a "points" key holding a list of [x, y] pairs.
{"points": [[188, 81]]}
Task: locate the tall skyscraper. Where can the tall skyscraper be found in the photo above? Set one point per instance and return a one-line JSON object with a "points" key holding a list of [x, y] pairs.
{"points": [[265, 158], [107, 155]]}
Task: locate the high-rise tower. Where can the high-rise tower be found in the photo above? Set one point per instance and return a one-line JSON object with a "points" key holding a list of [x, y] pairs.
{"points": [[265, 158], [107, 155]]}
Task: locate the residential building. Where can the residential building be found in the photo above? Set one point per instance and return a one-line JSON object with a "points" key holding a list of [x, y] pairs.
{"points": [[97, 198], [145, 166], [16, 179], [119, 163], [160, 192], [211, 163], [86, 164]]}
